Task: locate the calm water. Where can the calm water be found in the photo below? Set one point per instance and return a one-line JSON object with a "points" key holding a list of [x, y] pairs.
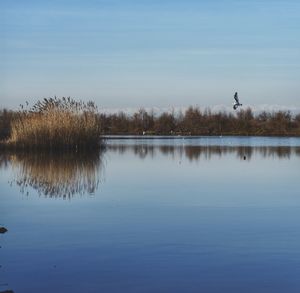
{"points": [[184, 215]]}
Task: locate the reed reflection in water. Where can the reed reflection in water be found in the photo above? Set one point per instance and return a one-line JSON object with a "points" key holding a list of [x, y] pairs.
{"points": [[65, 174], [205, 152], [56, 174]]}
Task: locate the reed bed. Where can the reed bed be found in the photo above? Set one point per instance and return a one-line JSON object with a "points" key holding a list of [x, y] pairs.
{"points": [[57, 123]]}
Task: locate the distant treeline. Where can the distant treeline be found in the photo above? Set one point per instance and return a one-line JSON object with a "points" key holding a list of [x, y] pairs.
{"points": [[193, 121], [196, 122]]}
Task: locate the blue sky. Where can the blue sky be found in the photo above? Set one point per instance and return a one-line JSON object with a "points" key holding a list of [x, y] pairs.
{"points": [[133, 53]]}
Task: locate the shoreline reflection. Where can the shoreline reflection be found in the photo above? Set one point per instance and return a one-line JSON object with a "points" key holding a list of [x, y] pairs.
{"points": [[56, 174], [66, 174], [194, 153]]}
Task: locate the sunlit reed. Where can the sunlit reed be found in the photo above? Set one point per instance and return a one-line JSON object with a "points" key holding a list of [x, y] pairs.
{"points": [[55, 124]]}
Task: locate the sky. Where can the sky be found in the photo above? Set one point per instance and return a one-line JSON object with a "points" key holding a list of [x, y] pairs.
{"points": [[151, 53]]}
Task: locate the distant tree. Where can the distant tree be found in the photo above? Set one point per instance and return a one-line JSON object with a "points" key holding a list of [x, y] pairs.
{"points": [[281, 122], [192, 121], [142, 121], [245, 121], [165, 124]]}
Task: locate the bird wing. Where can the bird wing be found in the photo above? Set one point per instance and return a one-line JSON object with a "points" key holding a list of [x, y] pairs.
{"points": [[236, 97]]}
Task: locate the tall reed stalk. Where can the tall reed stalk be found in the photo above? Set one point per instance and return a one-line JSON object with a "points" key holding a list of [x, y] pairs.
{"points": [[57, 123]]}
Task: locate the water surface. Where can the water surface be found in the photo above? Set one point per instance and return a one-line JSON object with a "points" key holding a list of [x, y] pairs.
{"points": [[184, 215]]}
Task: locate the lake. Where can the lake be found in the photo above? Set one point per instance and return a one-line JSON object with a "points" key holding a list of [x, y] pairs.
{"points": [[206, 214]]}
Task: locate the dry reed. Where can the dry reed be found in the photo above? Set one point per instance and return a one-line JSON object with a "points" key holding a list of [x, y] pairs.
{"points": [[55, 124]]}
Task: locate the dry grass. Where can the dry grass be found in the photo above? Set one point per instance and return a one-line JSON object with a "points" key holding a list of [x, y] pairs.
{"points": [[55, 124]]}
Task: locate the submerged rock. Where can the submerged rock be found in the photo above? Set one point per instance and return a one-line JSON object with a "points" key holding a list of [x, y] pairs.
{"points": [[2, 231]]}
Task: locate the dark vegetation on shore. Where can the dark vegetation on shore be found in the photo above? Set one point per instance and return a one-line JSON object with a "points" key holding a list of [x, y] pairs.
{"points": [[196, 122], [67, 124]]}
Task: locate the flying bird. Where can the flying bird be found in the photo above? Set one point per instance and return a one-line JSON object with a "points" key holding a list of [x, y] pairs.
{"points": [[237, 102]]}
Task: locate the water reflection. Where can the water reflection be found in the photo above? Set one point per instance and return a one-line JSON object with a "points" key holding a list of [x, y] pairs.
{"points": [[65, 174], [58, 174], [195, 153]]}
